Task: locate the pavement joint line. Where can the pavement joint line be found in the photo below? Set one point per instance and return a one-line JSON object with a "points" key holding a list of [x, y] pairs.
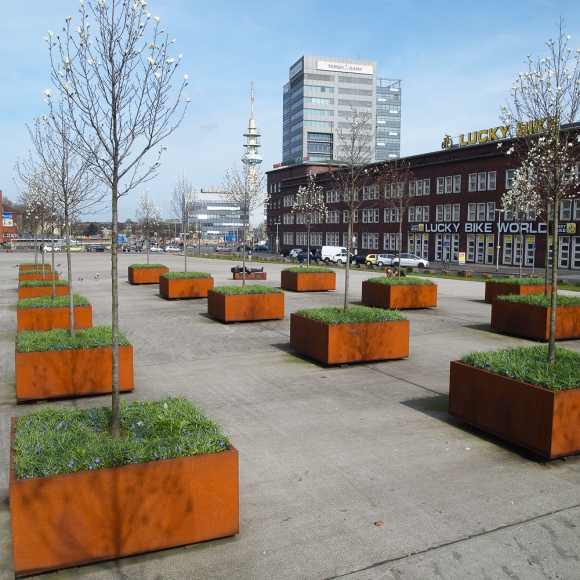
{"points": [[456, 542], [405, 380]]}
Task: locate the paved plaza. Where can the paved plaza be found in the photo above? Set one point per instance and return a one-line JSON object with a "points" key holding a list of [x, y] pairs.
{"points": [[326, 452]]}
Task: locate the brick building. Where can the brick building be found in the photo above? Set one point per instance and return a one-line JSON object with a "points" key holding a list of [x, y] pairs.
{"points": [[456, 211], [9, 227]]}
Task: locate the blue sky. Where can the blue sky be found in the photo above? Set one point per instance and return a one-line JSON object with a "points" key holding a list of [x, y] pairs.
{"points": [[456, 59]]}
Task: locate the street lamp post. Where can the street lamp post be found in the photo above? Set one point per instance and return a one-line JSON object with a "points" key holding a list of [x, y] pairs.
{"points": [[277, 248], [499, 212]]}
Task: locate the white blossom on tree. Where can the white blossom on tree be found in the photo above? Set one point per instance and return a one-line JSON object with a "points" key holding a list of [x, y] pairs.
{"points": [[309, 204]]}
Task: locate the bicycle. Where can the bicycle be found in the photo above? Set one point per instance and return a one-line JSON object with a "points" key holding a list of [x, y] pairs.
{"points": [[445, 264]]}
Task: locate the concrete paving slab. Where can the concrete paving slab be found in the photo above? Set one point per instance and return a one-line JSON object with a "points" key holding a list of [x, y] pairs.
{"points": [[325, 452]]}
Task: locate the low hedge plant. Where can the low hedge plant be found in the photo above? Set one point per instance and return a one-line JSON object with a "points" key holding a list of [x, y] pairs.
{"points": [[184, 275], [355, 314], [137, 266], [530, 365], [53, 441], [48, 302], [41, 271], [248, 289], [30, 264], [36, 283], [406, 281], [541, 299], [60, 339], [311, 270], [519, 281]]}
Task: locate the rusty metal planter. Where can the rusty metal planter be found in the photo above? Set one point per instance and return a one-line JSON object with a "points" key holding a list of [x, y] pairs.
{"points": [[145, 275], [61, 521], [308, 281], [36, 291], [533, 321], [346, 343], [48, 276], [546, 422], [184, 287], [49, 318], [22, 268], [71, 373], [399, 296], [495, 289], [250, 276], [241, 307]]}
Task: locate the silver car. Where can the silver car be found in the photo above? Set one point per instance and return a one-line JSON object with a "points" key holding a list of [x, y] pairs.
{"points": [[410, 260]]}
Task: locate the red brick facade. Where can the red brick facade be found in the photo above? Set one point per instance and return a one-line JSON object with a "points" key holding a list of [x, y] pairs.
{"points": [[461, 189]]}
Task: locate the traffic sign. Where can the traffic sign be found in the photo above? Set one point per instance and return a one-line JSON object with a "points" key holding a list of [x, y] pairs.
{"points": [[121, 240]]}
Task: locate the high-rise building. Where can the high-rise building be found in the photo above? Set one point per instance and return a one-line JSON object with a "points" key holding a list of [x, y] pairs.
{"points": [[319, 98]]}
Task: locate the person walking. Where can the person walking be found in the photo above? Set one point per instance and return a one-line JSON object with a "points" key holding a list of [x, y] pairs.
{"points": [[250, 254], [300, 258]]}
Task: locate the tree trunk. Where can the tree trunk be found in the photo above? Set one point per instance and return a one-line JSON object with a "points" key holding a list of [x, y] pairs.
{"points": [[308, 244], [521, 250], [554, 296], [347, 270], [115, 399], [244, 250], [71, 308], [52, 266]]}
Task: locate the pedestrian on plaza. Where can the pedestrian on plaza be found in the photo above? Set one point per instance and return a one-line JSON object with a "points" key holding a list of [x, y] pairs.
{"points": [[389, 272], [300, 258], [250, 254]]}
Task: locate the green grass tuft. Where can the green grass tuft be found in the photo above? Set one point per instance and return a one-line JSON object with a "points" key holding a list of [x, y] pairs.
{"points": [[41, 283], [336, 315], [519, 281], [406, 281], [137, 266], [52, 440], [249, 289], [60, 339], [183, 275], [48, 302], [541, 299], [311, 270], [529, 364]]}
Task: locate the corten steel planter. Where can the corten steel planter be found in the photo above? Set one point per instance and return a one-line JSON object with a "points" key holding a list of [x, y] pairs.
{"points": [[49, 318], [308, 281], [495, 289], [346, 343], [402, 296], [48, 276], [250, 276], [34, 267], [546, 422], [533, 321], [71, 373], [145, 275], [185, 287], [242, 307], [36, 291], [61, 521]]}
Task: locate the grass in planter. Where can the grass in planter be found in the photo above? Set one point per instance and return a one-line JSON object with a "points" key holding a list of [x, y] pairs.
{"points": [[248, 289], [35, 283], [520, 281], [52, 441], [28, 272], [31, 264], [311, 270], [60, 339], [181, 275], [541, 300], [529, 364], [136, 266], [406, 281], [48, 302], [336, 315]]}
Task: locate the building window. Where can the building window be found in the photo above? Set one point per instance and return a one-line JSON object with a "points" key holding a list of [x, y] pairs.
{"points": [[332, 196], [457, 184], [370, 241], [456, 212], [481, 212], [440, 184], [439, 214], [370, 192], [509, 178], [419, 213], [426, 213], [566, 209], [288, 238], [332, 238], [345, 216], [472, 182], [299, 218], [490, 211], [448, 184], [411, 188], [447, 212], [491, 179], [419, 187], [471, 212], [426, 186], [412, 214], [481, 181], [301, 239], [577, 210], [288, 218], [316, 238]]}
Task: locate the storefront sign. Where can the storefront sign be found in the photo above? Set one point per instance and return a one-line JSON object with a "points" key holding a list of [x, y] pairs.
{"points": [[490, 228], [7, 220], [461, 258], [569, 228]]}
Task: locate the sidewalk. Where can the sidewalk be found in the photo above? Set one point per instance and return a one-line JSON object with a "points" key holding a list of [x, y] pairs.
{"points": [[326, 452]]}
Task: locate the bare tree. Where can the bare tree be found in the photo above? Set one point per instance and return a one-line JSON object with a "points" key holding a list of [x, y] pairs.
{"points": [[183, 204], [546, 103], [352, 173], [400, 189], [246, 188], [117, 91], [309, 207], [148, 216]]}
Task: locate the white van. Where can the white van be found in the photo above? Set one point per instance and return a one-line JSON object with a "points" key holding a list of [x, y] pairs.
{"points": [[327, 253]]}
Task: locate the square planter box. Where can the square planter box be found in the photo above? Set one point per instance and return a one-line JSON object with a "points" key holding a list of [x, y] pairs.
{"points": [[346, 343], [533, 321], [35, 291], [48, 276], [71, 373], [61, 521], [241, 307], [49, 318], [250, 276], [546, 422], [387, 296], [145, 275], [495, 289], [308, 282], [185, 287]]}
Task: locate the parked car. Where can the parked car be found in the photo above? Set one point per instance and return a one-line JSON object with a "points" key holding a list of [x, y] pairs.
{"points": [[328, 252], [384, 259], [261, 248], [155, 249], [294, 253], [358, 259], [132, 249], [340, 258], [221, 248], [96, 249], [50, 249], [284, 252], [77, 249], [171, 249], [410, 260]]}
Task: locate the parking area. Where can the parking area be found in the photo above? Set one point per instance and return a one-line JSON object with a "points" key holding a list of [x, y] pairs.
{"points": [[354, 472]]}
